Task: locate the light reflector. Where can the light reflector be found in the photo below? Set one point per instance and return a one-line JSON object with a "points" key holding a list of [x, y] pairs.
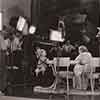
{"points": [[21, 23], [56, 36]]}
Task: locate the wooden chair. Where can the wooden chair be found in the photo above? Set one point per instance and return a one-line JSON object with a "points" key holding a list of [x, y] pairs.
{"points": [[94, 75]]}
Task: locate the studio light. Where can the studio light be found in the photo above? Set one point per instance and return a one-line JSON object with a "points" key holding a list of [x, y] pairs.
{"points": [[21, 23], [56, 35], [32, 29], [98, 34], [1, 22]]}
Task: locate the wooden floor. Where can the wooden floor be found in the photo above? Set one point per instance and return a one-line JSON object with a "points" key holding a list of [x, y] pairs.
{"points": [[17, 98]]}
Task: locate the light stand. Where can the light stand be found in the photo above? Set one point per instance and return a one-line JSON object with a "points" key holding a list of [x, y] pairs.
{"points": [[98, 37], [1, 21]]}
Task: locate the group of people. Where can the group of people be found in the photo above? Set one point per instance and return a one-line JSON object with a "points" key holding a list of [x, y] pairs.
{"points": [[8, 47], [43, 74], [81, 66], [15, 48], [39, 59], [65, 49]]}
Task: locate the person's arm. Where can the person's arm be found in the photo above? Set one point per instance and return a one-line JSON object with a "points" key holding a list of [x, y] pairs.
{"points": [[49, 61], [3, 45], [77, 60]]}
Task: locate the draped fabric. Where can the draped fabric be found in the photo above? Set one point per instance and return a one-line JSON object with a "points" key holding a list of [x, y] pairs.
{"points": [[34, 11]]}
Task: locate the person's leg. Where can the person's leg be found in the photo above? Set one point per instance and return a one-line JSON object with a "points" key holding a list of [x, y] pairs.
{"points": [[37, 71], [84, 81], [78, 82], [3, 80], [3, 72], [78, 72]]}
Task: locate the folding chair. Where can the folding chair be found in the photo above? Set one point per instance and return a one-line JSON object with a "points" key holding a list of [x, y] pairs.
{"points": [[58, 62], [65, 63], [94, 75]]}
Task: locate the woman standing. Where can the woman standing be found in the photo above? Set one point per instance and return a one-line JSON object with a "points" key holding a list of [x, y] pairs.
{"points": [[82, 67]]}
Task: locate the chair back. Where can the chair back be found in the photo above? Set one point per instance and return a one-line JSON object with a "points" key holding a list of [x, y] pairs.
{"points": [[62, 61], [95, 62]]}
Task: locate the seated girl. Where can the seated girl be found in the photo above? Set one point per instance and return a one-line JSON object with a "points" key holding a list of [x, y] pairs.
{"points": [[42, 62]]}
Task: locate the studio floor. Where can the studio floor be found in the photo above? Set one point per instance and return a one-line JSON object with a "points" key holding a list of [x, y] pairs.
{"points": [[27, 92]]}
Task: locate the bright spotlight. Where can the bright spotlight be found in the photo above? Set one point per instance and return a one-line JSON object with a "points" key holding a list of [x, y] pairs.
{"points": [[56, 36], [32, 29]]}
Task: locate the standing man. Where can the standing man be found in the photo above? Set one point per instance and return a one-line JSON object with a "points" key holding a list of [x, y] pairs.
{"points": [[67, 49], [3, 69]]}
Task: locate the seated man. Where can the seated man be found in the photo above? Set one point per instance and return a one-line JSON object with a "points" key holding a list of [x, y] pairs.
{"points": [[82, 68]]}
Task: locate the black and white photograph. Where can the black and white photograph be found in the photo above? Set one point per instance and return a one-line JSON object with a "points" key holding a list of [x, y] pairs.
{"points": [[49, 49]]}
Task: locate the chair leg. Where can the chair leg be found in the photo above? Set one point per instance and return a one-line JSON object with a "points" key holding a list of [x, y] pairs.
{"points": [[65, 97], [67, 86], [73, 82], [55, 84], [50, 97], [92, 84], [80, 82]]}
